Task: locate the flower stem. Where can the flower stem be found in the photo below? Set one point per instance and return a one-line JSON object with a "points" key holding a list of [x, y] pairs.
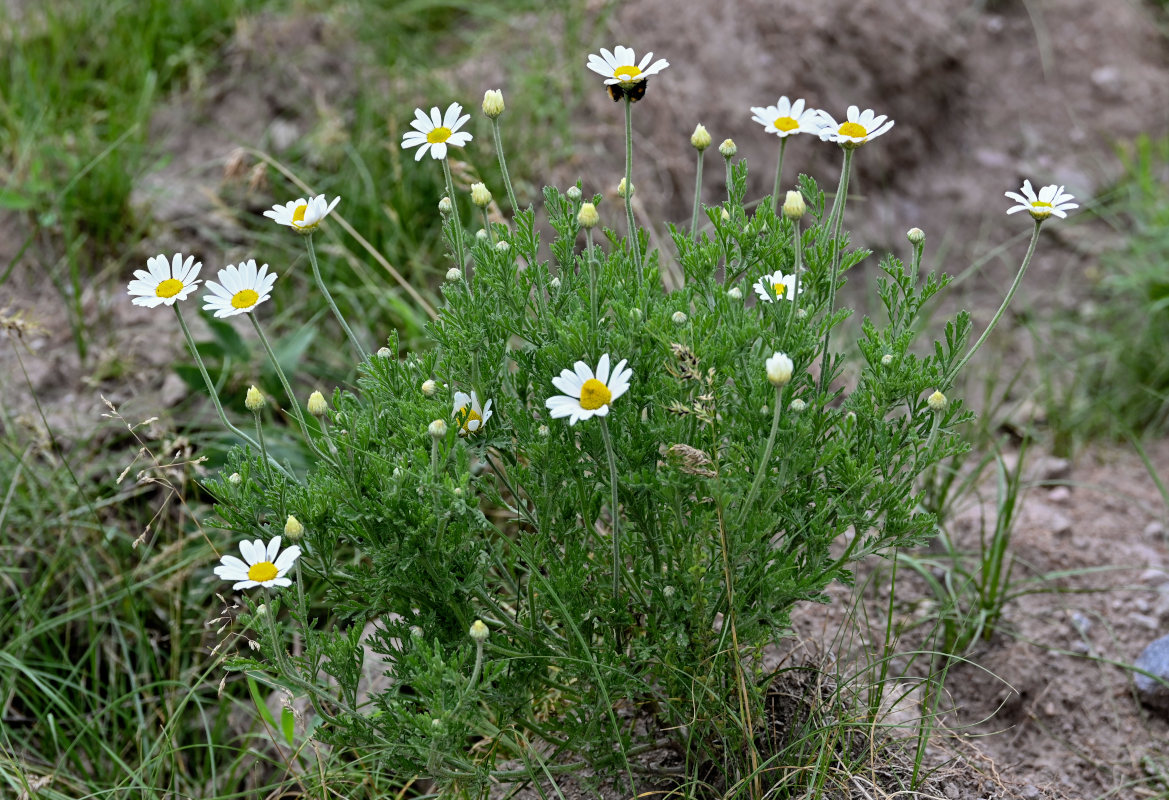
{"points": [[998, 314], [778, 172], [697, 197], [293, 403], [487, 227], [460, 260], [797, 248], [592, 277], [263, 445], [835, 220], [503, 167], [214, 395], [614, 510], [762, 471], [634, 240], [312, 257]]}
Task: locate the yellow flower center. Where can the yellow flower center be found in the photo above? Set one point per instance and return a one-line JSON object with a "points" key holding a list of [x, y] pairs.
{"points": [[264, 571], [169, 288], [854, 130], [465, 417], [779, 289], [299, 212], [438, 135], [594, 394], [627, 73], [786, 124], [245, 298], [1041, 204]]}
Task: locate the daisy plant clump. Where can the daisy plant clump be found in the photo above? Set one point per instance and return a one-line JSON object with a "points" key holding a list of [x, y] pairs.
{"points": [[563, 530]]}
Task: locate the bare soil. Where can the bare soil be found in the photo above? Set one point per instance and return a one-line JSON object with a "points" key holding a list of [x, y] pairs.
{"points": [[984, 94]]}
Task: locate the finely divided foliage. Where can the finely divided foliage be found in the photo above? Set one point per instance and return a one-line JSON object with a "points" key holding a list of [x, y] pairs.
{"points": [[630, 569]]}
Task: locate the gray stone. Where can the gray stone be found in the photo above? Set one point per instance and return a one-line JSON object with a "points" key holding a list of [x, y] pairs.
{"points": [[1154, 660], [1060, 494]]}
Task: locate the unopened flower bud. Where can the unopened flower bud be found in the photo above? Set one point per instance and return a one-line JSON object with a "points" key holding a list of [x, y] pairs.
{"points": [[886, 359], [728, 148], [937, 402], [543, 430], [317, 405], [801, 313], [573, 193], [481, 234], [915, 235], [779, 369], [429, 387], [479, 631], [679, 317], [700, 139], [254, 400], [493, 103], [635, 314], [293, 529], [454, 274], [794, 205], [554, 284], [234, 479], [384, 352], [797, 405], [416, 631], [480, 195], [502, 246], [621, 190], [437, 429], [444, 206], [726, 215], [588, 216], [735, 293]]}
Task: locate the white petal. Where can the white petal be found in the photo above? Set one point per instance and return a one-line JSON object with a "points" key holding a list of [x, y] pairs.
{"points": [[603, 369], [438, 150], [273, 549], [245, 585], [452, 113], [286, 559]]}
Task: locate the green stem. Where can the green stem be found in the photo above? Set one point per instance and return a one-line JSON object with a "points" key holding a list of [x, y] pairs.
{"points": [[312, 257], [797, 248], [503, 166], [697, 197], [762, 471], [292, 401], [730, 178], [263, 444], [998, 314], [915, 262], [837, 218], [778, 172], [592, 277], [460, 259], [487, 227], [634, 242], [614, 510], [214, 395]]}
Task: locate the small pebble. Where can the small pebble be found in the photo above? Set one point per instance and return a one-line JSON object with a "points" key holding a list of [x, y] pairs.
{"points": [[1155, 660], [1060, 494], [1154, 530], [1144, 621]]}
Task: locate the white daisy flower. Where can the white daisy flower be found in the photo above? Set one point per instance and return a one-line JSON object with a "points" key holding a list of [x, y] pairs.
{"points": [[787, 118], [620, 68], [164, 282], [468, 414], [303, 216], [240, 289], [587, 394], [261, 566], [860, 127], [1050, 200], [777, 286], [436, 131]]}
